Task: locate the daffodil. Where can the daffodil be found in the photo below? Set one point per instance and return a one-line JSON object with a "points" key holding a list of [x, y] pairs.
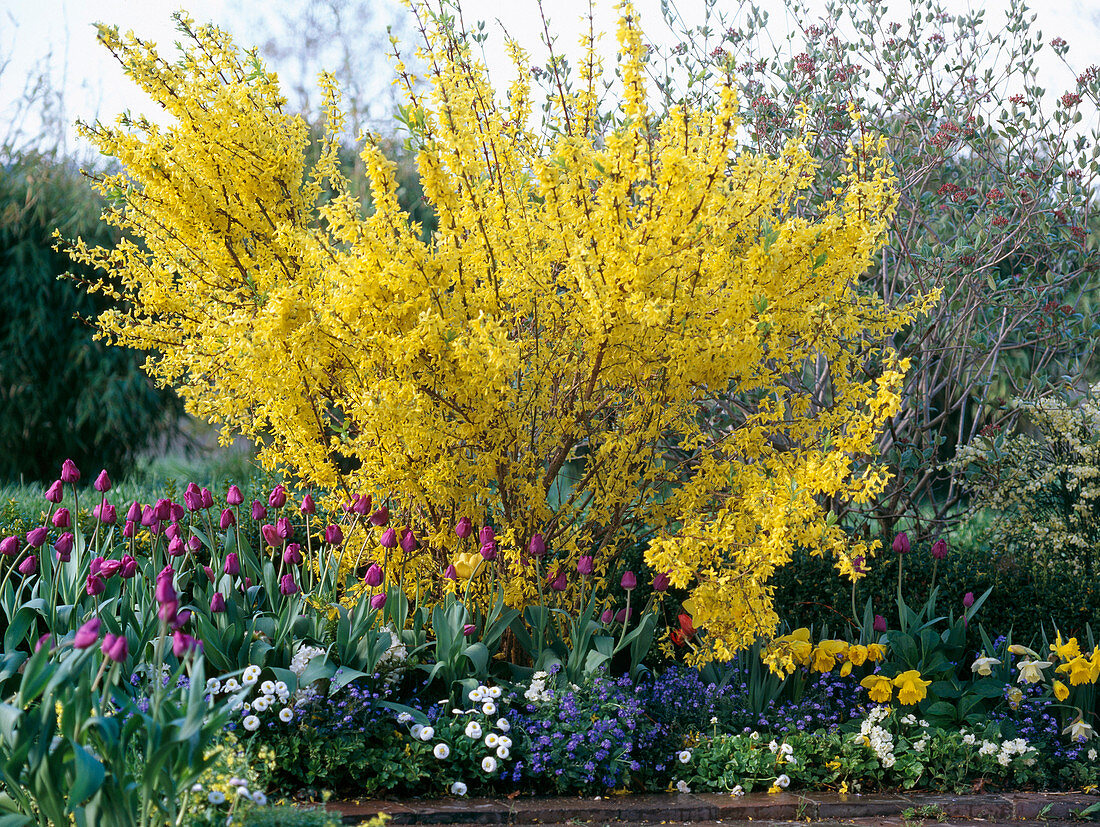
{"points": [[876, 652], [1065, 651], [912, 688], [1031, 670], [825, 654], [1020, 649], [1079, 730], [857, 655], [880, 688], [1061, 691], [846, 669], [984, 665], [1079, 669]]}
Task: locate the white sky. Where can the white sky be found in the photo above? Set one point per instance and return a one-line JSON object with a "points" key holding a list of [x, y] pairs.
{"points": [[31, 30]]}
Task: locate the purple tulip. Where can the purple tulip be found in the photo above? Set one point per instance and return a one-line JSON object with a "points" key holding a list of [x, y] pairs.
{"points": [[9, 546], [193, 544], [166, 592], [182, 619], [175, 511], [308, 506], [227, 519], [105, 513], [94, 585], [96, 565], [287, 586], [102, 483], [87, 634], [660, 582], [939, 549], [61, 518], [277, 497], [901, 543], [362, 505], [129, 567], [36, 537], [54, 494], [486, 535], [537, 547], [176, 547], [623, 615], [333, 535], [206, 499], [42, 641], [167, 612], [172, 531], [271, 535], [449, 573], [232, 563], [389, 539], [380, 517], [283, 528], [408, 541], [968, 600], [209, 572], [148, 518], [129, 529], [629, 581], [377, 601], [115, 647], [69, 471], [469, 629], [217, 603], [110, 568], [607, 616], [64, 546], [192, 497], [464, 528], [162, 510], [134, 512], [488, 552], [234, 496], [879, 624], [585, 565], [558, 581], [29, 566], [292, 556], [258, 511]]}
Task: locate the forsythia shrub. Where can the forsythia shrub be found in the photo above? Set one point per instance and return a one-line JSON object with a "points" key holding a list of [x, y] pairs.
{"points": [[545, 362]]}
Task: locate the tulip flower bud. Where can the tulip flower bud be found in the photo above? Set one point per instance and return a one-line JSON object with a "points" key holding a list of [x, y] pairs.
{"points": [[558, 581], [469, 629], [660, 582], [148, 518], [362, 505], [192, 497], [585, 565], [175, 511], [968, 600], [217, 603], [901, 543], [623, 615], [166, 592], [373, 576], [176, 547], [129, 529], [129, 567], [36, 537], [287, 586], [96, 565], [182, 619], [283, 528], [234, 496], [29, 566], [193, 544], [227, 519], [232, 563], [377, 601], [109, 568], [61, 518], [879, 624], [162, 510], [277, 497], [183, 643], [69, 471], [206, 499], [167, 611], [172, 531], [486, 535], [333, 535], [488, 552], [380, 517], [607, 616], [629, 581], [94, 585], [408, 541], [293, 555], [389, 539], [209, 572], [939, 549], [64, 546], [102, 483], [537, 547], [114, 647], [87, 634], [54, 494], [134, 512], [105, 513], [271, 535], [258, 511], [450, 573], [308, 506], [464, 528], [9, 546]]}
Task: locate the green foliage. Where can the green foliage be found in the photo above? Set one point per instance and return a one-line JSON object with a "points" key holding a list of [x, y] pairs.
{"points": [[61, 394], [287, 815]]}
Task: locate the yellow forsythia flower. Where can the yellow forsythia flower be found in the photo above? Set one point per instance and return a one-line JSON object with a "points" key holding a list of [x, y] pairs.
{"points": [[912, 688]]}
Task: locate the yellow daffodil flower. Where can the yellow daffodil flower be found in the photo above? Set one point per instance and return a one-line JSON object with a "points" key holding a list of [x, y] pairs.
{"points": [[857, 655], [1061, 691], [846, 669], [825, 654], [880, 688], [912, 688], [1079, 669], [1020, 649], [876, 652], [1065, 651]]}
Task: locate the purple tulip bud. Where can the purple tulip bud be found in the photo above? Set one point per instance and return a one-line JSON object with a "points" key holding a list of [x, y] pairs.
{"points": [[167, 611], [94, 585], [258, 511], [193, 544], [308, 506], [488, 552], [61, 518], [283, 528], [87, 634], [287, 586], [558, 581], [227, 519], [232, 563], [148, 518], [373, 577], [105, 513], [901, 543], [464, 528], [206, 499], [277, 497], [129, 529], [271, 535], [172, 531], [362, 505], [607, 616], [166, 573], [166, 592], [115, 647], [69, 471], [623, 615], [9, 546], [54, 494], [879, 624], [469, 629], [209, 572], [333, 535], [629, 581], [377, 601], [134, 512], [176, 547], [449, 573], [42, 641], [129, 567], [292, 556], [486, 535], [234, 496], [109, 568], [537, 547], [182, 644], [408, 541], [217, 603], [64, 546], [97, 564], [389, 539], [380, 517], [102, 483], [182, 619], [968, 599], [939, 549], [660, 582], [36, 537], [192, 497], [585, 565], [175, 511], [162, 510]]}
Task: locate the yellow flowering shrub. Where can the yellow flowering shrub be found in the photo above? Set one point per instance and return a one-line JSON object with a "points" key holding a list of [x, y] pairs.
{"points": [[550, 361]]}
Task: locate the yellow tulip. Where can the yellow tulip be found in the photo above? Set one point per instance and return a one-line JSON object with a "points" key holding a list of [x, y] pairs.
{"points": [[911, 687], [880, 688]]}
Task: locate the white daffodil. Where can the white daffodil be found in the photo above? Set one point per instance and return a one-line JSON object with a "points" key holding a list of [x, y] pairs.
{"points": [[984, 666], [1031, 670]]}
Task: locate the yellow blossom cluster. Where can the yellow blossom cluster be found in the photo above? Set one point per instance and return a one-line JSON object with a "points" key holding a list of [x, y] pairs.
{"points": [[912, 688], [545, 362], [786, 653]]}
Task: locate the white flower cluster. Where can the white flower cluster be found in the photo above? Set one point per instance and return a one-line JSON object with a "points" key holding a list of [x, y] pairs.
{"points": [[240, 787], [537, 691], [302, 658], [877, 737], [1003, 752], [271, 697]]}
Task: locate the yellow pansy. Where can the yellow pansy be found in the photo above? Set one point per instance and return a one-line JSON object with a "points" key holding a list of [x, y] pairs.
{"points": [[1065, 651], [912, 688], [881, 689]]}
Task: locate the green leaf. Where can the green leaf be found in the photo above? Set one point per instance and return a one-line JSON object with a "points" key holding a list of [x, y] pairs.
{"points": [[90, 775]]}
